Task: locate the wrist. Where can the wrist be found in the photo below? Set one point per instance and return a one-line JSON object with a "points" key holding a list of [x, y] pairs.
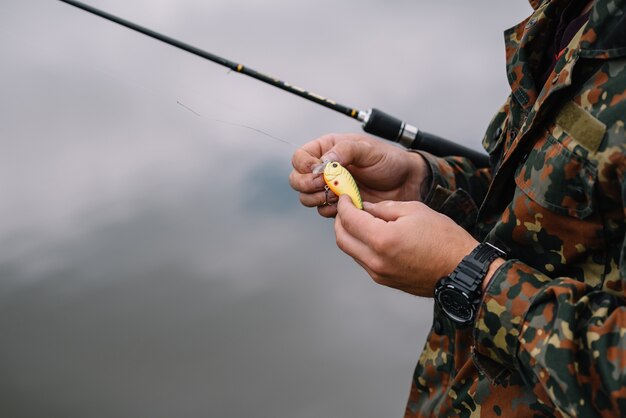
{"points": [[420, 178], [460, 293], [495, 265]]}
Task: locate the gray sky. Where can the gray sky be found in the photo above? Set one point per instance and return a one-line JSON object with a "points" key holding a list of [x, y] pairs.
{"points": [[155, 262]]}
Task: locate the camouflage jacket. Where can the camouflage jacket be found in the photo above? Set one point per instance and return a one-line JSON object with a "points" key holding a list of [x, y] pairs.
{"points": [[550, 337]]}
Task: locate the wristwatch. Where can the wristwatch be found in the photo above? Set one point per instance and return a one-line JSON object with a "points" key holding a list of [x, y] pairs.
{"points": [[460, 293]]}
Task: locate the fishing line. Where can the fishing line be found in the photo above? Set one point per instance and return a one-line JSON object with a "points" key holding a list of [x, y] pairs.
{"points": [[238, 125], [284, 141], [188, 108]]}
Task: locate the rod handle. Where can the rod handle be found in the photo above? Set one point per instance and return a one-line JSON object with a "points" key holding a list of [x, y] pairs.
{"points": [[443, 148], [393, 129]]}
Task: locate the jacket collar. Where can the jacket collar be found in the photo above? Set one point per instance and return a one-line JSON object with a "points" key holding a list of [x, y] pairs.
{"points": [[605, 34], [601, 38]]}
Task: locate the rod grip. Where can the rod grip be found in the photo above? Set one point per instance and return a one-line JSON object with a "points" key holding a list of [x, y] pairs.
{"points": [[443, 148], [393, 129]]}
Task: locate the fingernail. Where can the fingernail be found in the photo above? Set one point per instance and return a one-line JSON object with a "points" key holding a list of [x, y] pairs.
{"points": [[331, 156], [318, 168], [367, 205]]}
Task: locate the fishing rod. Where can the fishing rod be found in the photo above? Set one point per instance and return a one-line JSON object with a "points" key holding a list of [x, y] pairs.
{"points": [[374, 121]]}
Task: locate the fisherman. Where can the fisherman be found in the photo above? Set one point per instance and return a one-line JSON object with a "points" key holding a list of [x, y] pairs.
{"points": [[524, 259]]}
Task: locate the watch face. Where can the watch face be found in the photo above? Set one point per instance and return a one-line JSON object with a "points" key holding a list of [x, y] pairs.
{"points": [[455, 305]]}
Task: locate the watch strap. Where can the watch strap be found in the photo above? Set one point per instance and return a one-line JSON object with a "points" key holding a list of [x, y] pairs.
{"points": [[471, 271], [465, 282]]}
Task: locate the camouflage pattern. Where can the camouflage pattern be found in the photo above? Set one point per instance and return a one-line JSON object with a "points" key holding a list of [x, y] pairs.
{"points": [[550, 337]]}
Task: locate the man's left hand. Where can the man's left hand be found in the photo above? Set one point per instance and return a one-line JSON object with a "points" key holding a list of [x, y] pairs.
{"points": [[404, 245]]}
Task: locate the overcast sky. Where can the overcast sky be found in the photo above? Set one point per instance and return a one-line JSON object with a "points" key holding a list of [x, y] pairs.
{"points": [[154, 260]]}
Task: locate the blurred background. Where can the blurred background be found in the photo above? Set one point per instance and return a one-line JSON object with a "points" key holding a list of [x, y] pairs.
{"points": [[153, 260]]}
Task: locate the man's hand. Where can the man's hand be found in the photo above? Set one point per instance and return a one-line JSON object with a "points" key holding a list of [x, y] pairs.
{"points": [[404, 245], [381, 170]]}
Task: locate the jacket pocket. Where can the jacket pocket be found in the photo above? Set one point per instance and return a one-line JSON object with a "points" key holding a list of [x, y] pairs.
{"points": [[557, 179]]}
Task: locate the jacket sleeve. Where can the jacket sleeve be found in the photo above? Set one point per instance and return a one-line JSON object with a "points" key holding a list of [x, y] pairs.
{"points": [[457, 187], [559, 333]]}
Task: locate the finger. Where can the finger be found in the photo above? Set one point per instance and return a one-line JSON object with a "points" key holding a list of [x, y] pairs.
{"points": [[306, 183], [390, 210], [358, 223], [327, 211], [310, 153], [356, 151], [345, 153], [351, 245], [318, 199], [303, 159]]}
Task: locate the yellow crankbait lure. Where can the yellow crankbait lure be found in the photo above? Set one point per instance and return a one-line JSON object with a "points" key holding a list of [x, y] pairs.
{"points": [[340, 181]]}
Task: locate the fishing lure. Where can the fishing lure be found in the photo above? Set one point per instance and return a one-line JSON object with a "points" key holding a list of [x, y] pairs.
{"points": [[340, 181]]}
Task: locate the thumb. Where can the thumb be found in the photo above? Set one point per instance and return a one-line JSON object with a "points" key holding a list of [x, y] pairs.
{"points": [[389, 210], [355, 153]]}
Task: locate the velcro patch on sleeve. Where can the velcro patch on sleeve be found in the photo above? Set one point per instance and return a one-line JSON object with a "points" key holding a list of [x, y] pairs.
{"points": [[581, 125]]}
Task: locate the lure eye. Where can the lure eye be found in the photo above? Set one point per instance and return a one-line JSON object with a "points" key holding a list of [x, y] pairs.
{"points": [[334, 165]]}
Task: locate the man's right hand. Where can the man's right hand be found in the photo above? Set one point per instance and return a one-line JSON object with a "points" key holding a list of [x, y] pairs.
{"points": [[382, 171]]}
